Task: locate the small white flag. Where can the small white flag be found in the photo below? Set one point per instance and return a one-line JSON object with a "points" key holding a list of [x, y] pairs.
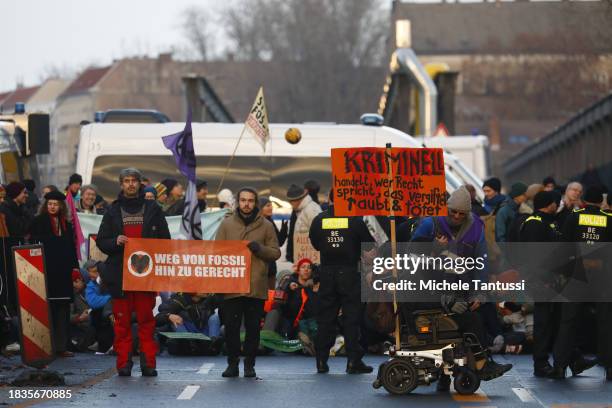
{"points": [[257, 121]]}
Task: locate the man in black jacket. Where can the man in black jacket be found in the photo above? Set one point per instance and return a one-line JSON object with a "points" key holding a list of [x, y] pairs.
{"points": [[17, 218], [130, 216]]}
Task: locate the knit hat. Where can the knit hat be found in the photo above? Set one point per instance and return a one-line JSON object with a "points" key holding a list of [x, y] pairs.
{"points": [[549, 180], [170, 184], [14, 189], [533, 189], [75, 178], [90, 264], [296, 192], [76, 275], [55, 195], [263, 201], [493, 183], [161, 189], [130, 172], [517, 189], [543, 199], [150, 189], [594, 194], [301, 262], [226, 196], [99, 199], [460, 200], [250, 190]]}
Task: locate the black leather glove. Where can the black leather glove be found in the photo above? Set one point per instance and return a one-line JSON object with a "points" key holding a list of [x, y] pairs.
{"points": [[254, 246]]}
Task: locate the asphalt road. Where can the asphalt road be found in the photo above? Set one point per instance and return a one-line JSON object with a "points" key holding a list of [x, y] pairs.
{"points": [[287, 380]]}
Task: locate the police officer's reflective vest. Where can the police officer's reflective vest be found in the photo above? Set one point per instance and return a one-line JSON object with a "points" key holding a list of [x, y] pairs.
{"points": [[593, 225]]}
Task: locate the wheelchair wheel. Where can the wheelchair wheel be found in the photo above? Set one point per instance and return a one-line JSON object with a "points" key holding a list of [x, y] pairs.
{"points": [[399, 377], [466, 382]]}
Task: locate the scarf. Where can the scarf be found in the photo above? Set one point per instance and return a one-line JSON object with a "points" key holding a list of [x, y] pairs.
{"points": [[248, 219], [58, 224]]}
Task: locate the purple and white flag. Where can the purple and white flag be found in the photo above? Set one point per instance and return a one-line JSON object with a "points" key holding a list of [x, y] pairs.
{"points": [[181, 146]]}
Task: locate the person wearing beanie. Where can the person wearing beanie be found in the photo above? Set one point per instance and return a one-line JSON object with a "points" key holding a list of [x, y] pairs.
{"points": [[247, 224], [226, 199], [32, 203], [150, 193], [82, 333], [461, 233], [493, 197], [304, 211], [549, 184], [175, 203], [130, 216], [509, 210], [52, 228], [161, 194], [16, 217], [74, 186]]}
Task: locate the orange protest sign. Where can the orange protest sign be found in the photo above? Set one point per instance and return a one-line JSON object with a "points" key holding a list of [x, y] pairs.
{"points": [[186, 266], [407, 182]]}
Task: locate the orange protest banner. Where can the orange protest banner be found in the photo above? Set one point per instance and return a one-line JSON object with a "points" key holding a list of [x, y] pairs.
{"points": [[363, 184], [186, 266]]}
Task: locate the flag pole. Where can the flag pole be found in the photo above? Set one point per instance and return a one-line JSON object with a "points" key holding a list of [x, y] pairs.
{"points": [[229, 163]]}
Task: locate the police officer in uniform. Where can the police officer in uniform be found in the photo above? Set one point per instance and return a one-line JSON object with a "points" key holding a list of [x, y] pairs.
{"points": [[541, 227], [339, 240], [592, 225], [554, 323]]}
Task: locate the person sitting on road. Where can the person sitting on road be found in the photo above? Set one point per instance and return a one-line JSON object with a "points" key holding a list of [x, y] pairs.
{"points": [[101, 306], [299, 311], [82, 332], [192, 313]]}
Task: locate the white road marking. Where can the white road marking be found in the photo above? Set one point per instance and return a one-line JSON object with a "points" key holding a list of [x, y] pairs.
{"points": [[205, 369], [188, 392], [523, 394]]}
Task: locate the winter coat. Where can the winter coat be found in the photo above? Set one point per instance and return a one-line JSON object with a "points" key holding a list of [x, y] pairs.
{"points": [[504, 218], [16, 217], [306, 212], [95, 298], [60, 256], [154, 226], [181, 304], [261, 231]]}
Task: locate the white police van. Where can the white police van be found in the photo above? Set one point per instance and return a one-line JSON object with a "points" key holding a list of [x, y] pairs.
{"points": [[106, 148]]}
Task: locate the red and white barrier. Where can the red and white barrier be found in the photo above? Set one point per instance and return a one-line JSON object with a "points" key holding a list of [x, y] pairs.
{"points": [[36, 339]]}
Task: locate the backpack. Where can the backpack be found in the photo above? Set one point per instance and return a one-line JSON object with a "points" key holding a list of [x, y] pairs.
{"points": [[494, 252]]}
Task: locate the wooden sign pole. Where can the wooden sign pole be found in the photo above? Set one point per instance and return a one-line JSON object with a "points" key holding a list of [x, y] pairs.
{"points": [[393, 246]]}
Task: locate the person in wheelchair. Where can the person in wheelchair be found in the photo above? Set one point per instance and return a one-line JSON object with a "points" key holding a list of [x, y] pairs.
{"points": [[459, 234]]}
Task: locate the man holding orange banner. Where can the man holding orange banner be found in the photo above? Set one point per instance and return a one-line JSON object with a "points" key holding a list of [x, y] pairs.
{"points": [[247, 224], [130, 216]]}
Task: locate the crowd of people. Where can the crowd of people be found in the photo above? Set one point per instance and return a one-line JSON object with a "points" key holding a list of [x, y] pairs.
{"points": [[318, 304]]}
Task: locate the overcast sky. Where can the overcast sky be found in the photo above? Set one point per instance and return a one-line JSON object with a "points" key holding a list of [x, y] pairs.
{"points": [[71, 34]]}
